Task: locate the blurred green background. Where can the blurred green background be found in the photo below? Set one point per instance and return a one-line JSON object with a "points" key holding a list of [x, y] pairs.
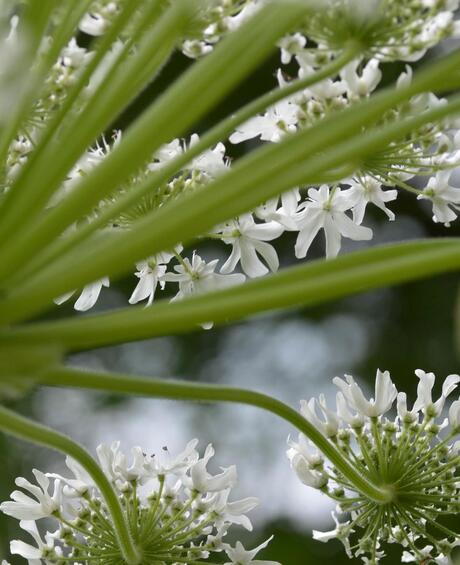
{"points": [[291, 355]]}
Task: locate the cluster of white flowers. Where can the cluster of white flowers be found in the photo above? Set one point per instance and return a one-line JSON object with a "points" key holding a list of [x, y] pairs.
{"points": [[386, 30], [177, 511], [414, 455]]}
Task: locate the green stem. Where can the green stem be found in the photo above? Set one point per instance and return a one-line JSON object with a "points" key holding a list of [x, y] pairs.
{"points": [[175, 111], [261, 176], [214, 393], [311, 284], [25, 429], [214, 136]]}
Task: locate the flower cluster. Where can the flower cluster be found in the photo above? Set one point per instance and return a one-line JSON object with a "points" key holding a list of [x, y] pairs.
{"points": [[412, 456], [176, 510], [383, 30]]}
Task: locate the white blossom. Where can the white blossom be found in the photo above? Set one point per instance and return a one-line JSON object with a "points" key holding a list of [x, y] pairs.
{"points": [[150, 274], [174, 493], [277, 121], [363, 83], [249, 240], [385, 395], [424, 392], [88, 297], [444, 198], [325, 210], [202, 481], [368, 190], [329, 425], [454, 415], [238, 555], [197, 276], [43, 505], [34, 553]]}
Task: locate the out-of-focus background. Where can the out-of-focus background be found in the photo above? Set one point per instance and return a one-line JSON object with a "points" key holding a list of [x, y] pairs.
{"points": [[290, 355]]}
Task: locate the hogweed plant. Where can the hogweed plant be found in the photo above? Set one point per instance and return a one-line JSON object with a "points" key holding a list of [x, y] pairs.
{"points": [[82, 204]]}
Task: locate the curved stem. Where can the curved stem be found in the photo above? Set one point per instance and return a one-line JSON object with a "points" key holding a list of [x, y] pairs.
{"points": [[125, 384], [25, 429]]}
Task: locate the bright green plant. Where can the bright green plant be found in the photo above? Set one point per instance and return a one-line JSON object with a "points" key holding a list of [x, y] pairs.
{"points": [[78, 211]]}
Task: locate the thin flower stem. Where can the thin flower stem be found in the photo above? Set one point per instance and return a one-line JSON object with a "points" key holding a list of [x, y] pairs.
{"points": [[25, 429], [212, 393]]}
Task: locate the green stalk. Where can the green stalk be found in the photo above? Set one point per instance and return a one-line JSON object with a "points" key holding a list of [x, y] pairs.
{"points": [[120, 87], [311, 284], [174, 112], [36, 19], [28, 172], [125, 384], [23, 428], [219, 133], [232, 194]]}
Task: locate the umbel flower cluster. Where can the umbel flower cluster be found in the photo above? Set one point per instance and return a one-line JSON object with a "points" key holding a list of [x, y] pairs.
{"points": [[379, 30], [177, 511], [412, 454]]}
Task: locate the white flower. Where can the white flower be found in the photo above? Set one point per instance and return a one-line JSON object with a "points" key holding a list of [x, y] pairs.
{"points": [[424, 392], [202, 481], [150, 274], [444, 198], [24, 507], [240, 556], [175, 465], [454, 415], [230, 512], [341, 532], [93, 24], [184, 511], [34, 554], [277, 120], [286, 215], [166, 153], [291, 45], [369, 190], [354, 419], [88, 296], [211, 162], [405, 415], [385, 395], [361, 84], [249, 240], [195, 49], [313, 478], [197, 277], [306, 449], [330, 425], [326, 210]]}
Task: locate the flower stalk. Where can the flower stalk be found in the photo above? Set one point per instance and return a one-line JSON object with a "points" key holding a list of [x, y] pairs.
{"points": [[307, 285], [182, 390], [23, 428]]}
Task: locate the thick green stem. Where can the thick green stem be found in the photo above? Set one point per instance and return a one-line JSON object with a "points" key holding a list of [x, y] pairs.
{"points": [[257, 179], [218, 133], [307, 285], [171, 115], [183, 390], [25, 429]]}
